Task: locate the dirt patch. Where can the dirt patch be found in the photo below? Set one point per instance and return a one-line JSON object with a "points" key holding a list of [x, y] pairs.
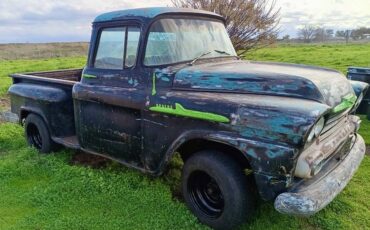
{"points": [[4, 103], [89, 160]]}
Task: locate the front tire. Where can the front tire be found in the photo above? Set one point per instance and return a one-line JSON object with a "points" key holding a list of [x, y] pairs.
{"points": [[216, 190], [37, 134]]}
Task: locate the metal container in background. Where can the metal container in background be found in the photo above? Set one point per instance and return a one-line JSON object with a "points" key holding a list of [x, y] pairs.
{"points": [[361, 74]]}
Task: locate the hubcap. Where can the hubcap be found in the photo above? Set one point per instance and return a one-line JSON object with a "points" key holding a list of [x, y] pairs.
{"points": [[34, 136], [205, 194]]}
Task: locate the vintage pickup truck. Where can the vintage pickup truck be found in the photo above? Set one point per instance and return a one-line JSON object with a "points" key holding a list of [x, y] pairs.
{"points": [[160, 81]]}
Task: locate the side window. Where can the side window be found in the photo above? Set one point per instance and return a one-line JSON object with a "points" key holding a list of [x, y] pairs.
{"points": [[117, 48], [133, 36], [110, 48]]}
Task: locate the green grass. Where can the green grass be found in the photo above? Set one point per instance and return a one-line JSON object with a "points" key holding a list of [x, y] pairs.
{"points": [[22, 66], [336, 56], [47, 192], [365, 129]]}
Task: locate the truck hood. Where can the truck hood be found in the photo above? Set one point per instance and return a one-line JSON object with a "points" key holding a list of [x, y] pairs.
{"points": [[300, 81]]}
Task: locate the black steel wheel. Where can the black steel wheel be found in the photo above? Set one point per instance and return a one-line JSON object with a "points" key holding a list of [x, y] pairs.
{"points": [[33, 136], [216, 190], [37, 134], [206, 194]]}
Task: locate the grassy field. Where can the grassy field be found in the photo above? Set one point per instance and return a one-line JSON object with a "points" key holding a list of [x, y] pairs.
{"points": [[335, 56], [51, 192], [48, 50], [21, 66]]}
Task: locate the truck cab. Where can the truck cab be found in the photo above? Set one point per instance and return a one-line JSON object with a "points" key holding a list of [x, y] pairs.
{"points": [[164, 80], [128, 54]]}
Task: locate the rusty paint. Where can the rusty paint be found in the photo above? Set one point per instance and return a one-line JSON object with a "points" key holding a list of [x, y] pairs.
{"points": [[308, 199], [271, 107]]}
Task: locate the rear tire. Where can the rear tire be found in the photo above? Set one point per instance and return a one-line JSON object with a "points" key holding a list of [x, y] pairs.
{"points": [[216, 190], [37, 134]]}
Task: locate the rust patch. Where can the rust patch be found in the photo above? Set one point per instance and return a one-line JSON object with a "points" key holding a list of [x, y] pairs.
{"points": [[89, 160]]}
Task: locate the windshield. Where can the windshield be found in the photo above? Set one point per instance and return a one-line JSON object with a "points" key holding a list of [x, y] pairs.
{"points": [[179, 40]]}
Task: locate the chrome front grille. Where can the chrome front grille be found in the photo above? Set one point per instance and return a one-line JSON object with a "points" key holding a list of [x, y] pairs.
{"points": [[333, 125], [337, 131]]}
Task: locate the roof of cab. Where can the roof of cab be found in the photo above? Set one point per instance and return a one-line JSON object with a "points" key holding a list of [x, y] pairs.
{"points": [[151, 12]]}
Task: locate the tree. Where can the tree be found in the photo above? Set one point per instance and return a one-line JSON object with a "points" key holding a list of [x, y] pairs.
{"points": [[286, 37], [307, 33], [360, 33], [343, 34], [319, 34], [340, 34], [250, 23], [329, 33]]}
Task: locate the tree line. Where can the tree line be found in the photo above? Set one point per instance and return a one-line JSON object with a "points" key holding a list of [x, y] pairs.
{"points": [[310, 33]]}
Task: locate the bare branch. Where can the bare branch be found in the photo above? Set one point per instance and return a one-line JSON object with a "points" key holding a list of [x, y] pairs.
{"points": [[250, 23], [307, 33]]}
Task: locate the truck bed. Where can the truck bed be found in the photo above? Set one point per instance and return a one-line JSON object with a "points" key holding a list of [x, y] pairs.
{"points": [[64, 77], [48, 95]]}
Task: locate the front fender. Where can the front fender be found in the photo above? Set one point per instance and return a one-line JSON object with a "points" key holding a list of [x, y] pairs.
{"points": [[359, 87], [272, 164]]}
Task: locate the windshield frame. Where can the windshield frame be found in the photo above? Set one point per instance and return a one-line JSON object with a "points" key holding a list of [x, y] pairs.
{"points": [[182, 16]]}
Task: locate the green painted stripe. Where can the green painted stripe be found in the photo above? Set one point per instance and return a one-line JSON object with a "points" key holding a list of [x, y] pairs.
{"points": [[347, 102], [88, 76], [181, 111], [154, 91]]}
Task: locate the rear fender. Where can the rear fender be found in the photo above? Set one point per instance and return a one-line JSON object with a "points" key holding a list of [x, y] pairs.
{"points": [[38, 92]]}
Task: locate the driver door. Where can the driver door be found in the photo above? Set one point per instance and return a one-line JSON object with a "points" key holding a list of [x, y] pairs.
{"points": [[109, 99]]}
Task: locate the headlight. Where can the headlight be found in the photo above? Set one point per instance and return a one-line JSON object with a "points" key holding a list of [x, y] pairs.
{"points": [[359, 99], [316, 130], [311, 135], [319, 126]]}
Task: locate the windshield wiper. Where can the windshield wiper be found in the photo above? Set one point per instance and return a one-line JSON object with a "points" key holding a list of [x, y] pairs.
{"points": [[206, 53], [202, 55], [222, 52]]}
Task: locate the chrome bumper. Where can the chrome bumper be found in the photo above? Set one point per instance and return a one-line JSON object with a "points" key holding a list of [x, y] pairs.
{"points": [[308, 199]]}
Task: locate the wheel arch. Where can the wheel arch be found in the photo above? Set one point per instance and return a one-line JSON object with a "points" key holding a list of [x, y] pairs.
{"points": [[192, 142], [265, 160], [192, 146], [25, 111]]}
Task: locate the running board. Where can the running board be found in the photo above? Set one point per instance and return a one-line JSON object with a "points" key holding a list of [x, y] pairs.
{"points": [[69, 142]]}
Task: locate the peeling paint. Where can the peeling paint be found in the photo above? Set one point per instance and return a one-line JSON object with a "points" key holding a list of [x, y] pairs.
{"points": [[262, 110], [181, 111], [309, 199]]}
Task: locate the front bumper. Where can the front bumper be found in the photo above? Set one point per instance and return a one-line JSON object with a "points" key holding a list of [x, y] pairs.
{"points": [[310, 198]]}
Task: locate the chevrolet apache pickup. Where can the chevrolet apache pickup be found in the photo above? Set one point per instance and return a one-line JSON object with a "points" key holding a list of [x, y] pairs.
{"points": [[160, 81]]}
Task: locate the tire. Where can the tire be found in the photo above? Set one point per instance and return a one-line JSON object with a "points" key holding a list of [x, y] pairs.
{"points": [[217, 191], [37, 134]]}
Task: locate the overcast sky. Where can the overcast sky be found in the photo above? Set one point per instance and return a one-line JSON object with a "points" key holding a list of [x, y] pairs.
{"points": [[70, 20]]}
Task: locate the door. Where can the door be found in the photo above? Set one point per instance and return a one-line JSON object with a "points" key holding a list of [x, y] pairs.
{"points": [[110, 98]]}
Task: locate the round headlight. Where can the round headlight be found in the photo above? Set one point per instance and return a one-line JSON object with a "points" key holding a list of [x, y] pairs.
{"points": [[316, 130], [311, 135], [359, 99], [319, 126]]}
